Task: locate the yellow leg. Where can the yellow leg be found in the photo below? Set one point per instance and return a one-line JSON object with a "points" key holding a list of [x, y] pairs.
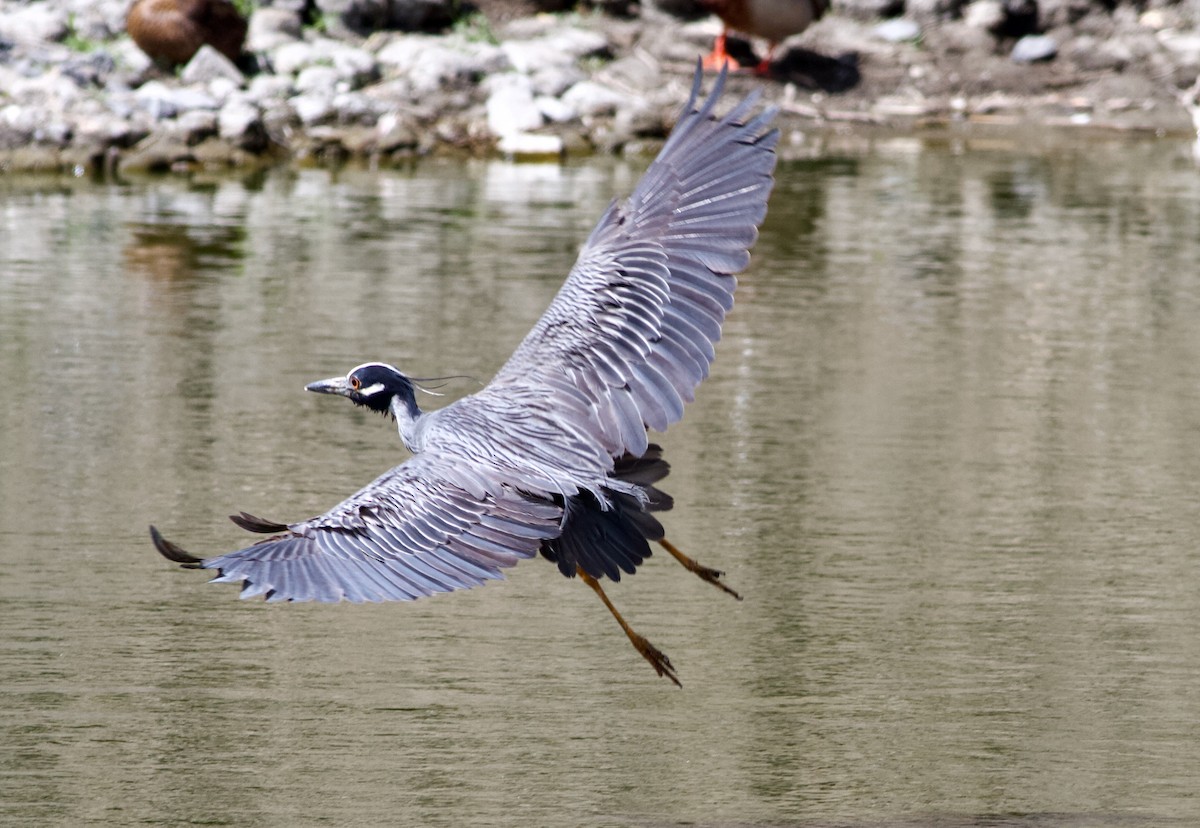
{"points": [[658, 660], [706, 573]]}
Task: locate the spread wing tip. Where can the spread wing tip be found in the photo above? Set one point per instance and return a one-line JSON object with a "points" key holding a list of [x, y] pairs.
{"points": [[173, 552], [258, 525]]}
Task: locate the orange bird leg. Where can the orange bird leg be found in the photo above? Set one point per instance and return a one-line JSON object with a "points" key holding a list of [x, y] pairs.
{"points": [[764, 66], [718, 58], [706, 573], [658, 660]]}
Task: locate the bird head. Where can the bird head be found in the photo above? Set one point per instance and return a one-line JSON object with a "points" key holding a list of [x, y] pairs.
{"points": [[373, 385]]}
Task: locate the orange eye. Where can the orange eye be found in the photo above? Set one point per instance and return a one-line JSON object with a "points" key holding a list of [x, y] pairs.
{"points": [[355, 383]]}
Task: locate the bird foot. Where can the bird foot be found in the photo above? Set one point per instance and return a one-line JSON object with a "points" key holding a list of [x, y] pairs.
{"points": [[716, 60], [657, 658], [705, 573], [713, 576]]}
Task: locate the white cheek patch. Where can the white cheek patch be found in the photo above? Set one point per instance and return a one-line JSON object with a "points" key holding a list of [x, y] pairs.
{"points": [[371, 390]]}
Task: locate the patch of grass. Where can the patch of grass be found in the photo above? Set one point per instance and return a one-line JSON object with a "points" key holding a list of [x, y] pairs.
{"points": [[475, 28], [77, 42]]}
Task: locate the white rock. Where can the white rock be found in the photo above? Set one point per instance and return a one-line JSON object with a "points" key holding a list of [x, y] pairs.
{"points": [[312, 108], [270, 87], [317, 79], [355, 108], [510, 106], [193, 127], [208, 64], [579, 42], [555, 110], [984, 14], [590, 98], [897, 30], [290, 58], [240, 122], [522, 144], [222, 89], [535, 55], [429, 63], [554, 81], [34, 23], [355, 66], [162, 101], [271, 27]]}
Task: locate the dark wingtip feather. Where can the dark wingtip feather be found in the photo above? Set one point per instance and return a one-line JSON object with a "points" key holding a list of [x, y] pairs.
{"points": [[256, 524], [172, 552]]}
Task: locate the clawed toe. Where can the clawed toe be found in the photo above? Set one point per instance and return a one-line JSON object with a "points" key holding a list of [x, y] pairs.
{"points": [[657, 658]]}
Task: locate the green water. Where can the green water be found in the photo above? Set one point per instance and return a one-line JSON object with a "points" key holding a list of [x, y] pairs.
{"points": [[949, 452]]}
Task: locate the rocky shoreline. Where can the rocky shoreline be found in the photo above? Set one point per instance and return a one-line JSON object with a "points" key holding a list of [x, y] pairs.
{"points": [[77, 96]]}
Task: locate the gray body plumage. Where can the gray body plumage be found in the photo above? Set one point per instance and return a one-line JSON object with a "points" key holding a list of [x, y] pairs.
{"points": [[553, 455]]}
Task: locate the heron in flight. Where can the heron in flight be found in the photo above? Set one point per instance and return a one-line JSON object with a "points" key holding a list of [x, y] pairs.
{"points": [[553, 455]]}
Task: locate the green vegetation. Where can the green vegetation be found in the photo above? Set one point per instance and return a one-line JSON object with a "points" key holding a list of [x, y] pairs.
{"points": [[474, 27]]}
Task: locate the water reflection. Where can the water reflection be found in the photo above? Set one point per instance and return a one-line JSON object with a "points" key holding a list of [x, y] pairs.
{"points": [[948, 451]]}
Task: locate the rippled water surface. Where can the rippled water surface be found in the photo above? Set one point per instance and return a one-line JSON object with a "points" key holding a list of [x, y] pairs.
{"points": [[950, 453]]}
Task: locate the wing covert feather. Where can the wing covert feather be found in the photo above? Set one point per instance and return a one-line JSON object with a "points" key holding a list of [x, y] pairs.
{"points": [[414, 531]]}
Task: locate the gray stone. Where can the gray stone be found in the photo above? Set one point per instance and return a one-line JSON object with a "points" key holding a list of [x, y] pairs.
{"points": [[897, 30], [34, 23], [554, 81], [196, 126], [639, 119], [429, 63], [1032, 48], [634, 72], [590, 98], [290, 58], [357, 67], [395, 132], [1091, 54], [355, 108], [162, 101], [108, 130], [270, 87], [579, 43], [524, 145], [318, 79], [312, 108], [1183, 46], [240, 123], [222, 89], [984, 14], [535, 55], [272, 27], [554, 49], [510, 105], [555, 110], [932, 11], [296, 7], [92, 69], [208, 64]]}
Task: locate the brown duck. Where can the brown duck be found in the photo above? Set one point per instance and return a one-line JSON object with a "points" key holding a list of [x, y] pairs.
{"points": [[172, 31], [774, 20]]}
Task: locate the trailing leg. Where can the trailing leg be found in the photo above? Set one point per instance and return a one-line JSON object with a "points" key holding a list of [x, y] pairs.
{"points": [[658, 660]]}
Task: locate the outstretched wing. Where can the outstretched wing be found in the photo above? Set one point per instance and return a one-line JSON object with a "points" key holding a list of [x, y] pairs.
{"points": [[635, 323], [414, 531]]}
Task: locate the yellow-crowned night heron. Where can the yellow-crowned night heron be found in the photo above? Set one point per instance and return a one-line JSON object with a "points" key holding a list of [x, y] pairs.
{"points": [[552, 456]]}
